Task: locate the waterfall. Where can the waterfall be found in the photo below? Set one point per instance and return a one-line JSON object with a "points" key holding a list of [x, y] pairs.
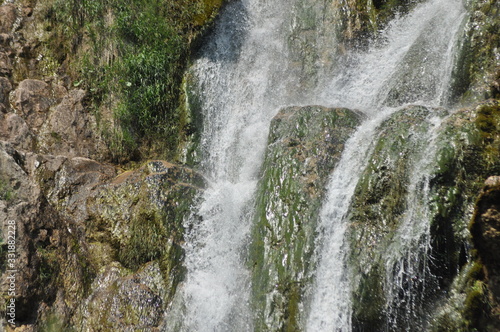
{"points": [[242, 76], [407, 259], [411, 61]]}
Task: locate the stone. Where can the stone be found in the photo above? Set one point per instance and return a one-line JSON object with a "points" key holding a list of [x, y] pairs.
{"points": [[122, 302], [71, 130], [68, 182], [8, 15], [14, 130], [5, 65], [5, 39], [485, 231], [32, 100], [304, 145], [5, 88]]}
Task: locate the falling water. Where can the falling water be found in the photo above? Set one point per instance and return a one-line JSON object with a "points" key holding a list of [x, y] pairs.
{"points": [[407, 258], [410, 62], [242, 78]]}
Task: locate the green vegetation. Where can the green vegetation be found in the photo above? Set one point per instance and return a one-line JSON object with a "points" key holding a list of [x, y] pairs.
{"points": [[6, 192], [131, 56]]}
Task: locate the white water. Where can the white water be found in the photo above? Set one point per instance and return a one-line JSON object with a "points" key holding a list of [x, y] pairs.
{"points": [[415, 49], [331, 309], [408, 256], [243, 78]]}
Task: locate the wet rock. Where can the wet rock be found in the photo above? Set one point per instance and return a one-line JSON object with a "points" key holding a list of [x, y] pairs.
{"points": [[304, 145], [485, 230], [124, 302], [378, 210], [466, 147], [139, 209], [477, 73]]}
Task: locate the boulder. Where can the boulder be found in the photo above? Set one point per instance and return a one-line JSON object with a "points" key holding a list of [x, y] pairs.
{"points": [[5, 88], [5, 65], [123, 302], [14, 130], [304, 145], [485, 230]]}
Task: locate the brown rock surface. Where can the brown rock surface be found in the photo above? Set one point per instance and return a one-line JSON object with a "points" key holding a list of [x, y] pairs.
{"points": [[485, 230], [5, 88], [8, 17], [14, 130], [71, 130], [33, 98]]}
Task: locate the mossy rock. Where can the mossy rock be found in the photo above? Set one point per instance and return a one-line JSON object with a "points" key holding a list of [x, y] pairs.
{"points": [[466, 151], [139, 218], [304, 145]]}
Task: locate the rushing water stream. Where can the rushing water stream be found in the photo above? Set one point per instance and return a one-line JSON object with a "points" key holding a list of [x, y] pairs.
{"points": [[242, 78]]}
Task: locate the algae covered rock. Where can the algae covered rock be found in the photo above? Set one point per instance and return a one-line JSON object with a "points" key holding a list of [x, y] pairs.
{"points": [[304, 145], [409, 216], [380, 207], [477, 72], [123, 301], [140, 214]]}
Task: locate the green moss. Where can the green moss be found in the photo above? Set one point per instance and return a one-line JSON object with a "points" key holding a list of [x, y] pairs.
{"points": [[488, 121], [476, 272], [304, 144], [53, 323], [370, 300], [147, 240], [6, 191], [477, 67], [474, 304]]}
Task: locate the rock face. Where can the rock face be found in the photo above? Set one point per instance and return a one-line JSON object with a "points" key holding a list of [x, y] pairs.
{"points": [[485, 231], [93, 249], [441, 167], [404, 255], [304, 145], [100, 248]]}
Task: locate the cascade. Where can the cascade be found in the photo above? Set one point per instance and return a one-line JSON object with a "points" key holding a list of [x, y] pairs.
{"points": [[412, 63], [242, 77]]}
